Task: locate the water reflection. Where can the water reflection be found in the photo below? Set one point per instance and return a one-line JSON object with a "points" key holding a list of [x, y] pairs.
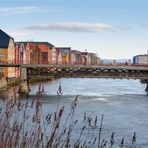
{"points": [[10, 94]]}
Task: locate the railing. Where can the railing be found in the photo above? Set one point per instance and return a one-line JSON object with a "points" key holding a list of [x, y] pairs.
{"points": [[75, 63]]}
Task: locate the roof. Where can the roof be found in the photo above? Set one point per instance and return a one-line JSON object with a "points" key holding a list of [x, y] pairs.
{"points": [[25, 44], [75, 51], [4, 39], [63, 48], [141, 55], [84, 53], [36, 42]]}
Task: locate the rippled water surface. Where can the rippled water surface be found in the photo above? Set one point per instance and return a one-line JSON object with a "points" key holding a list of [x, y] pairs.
{"points": [[124, 104]]}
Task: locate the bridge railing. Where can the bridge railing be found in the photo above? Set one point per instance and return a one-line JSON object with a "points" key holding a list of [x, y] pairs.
{"points": [[73, 63]]}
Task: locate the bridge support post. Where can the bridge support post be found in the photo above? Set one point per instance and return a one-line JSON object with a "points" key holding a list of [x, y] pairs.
{"points": [[146, 89], [24, 85]]}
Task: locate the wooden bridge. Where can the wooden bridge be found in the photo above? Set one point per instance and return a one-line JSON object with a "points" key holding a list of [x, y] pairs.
{"points": [[80, 71]]}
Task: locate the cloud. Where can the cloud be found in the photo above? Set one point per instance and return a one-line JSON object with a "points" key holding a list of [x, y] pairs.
{"points": [[145, 25], [18, 10], [73, 27]]}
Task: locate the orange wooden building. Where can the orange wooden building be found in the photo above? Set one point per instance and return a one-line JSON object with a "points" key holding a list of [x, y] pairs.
{"points": [[40, 52]]}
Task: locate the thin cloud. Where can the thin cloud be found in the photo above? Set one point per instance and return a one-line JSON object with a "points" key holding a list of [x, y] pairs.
{"points": [[145, 25], [73, 27], [18, 10]]}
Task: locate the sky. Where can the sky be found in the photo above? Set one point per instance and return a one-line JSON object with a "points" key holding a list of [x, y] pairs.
{"points": [[113, 29]]}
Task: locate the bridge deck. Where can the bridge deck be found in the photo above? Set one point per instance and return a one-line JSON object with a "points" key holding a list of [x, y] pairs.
{"points": [[81, 71], [122, 72]]}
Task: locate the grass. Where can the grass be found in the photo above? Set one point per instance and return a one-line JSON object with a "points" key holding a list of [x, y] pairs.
{"points": [[22, 124]]}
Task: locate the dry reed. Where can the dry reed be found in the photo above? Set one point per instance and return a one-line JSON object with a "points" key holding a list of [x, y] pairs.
{"points": [[19, 128]]}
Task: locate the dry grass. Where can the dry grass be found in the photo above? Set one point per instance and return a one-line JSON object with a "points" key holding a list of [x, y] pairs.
{"points": [[23, 125]]}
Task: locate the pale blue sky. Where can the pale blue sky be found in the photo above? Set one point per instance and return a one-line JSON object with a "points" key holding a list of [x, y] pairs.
{"points": [[112, 28]]}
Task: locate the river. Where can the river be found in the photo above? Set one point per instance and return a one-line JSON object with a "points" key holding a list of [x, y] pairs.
{"points": [[124, 104]]}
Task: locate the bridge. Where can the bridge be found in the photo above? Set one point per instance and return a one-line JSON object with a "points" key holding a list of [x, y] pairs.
{"points": [[69, 71], [79, 71]]}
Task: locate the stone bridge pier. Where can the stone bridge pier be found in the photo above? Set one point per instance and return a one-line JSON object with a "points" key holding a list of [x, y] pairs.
{"points": [[24, 84]]}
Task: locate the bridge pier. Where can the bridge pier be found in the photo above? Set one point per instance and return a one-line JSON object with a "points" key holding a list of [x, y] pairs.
{"points": [[146, 89], [24, 85]]}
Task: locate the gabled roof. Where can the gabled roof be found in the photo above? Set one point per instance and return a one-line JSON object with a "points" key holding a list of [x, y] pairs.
{"points": [[4, 39]]}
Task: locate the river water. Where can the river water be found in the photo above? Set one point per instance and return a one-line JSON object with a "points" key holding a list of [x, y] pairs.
{"points": [[124, 104]]}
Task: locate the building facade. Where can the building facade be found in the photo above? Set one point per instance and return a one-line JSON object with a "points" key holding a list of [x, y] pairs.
{"points": [[41, 53], [76, 58], [140, 59], [64, 55], [86, 59], [7, 54], [22, 55]]}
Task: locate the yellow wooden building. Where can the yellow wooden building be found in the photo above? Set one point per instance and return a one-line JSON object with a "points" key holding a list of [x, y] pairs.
{"points": [[7, 54], [64, 55]]}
